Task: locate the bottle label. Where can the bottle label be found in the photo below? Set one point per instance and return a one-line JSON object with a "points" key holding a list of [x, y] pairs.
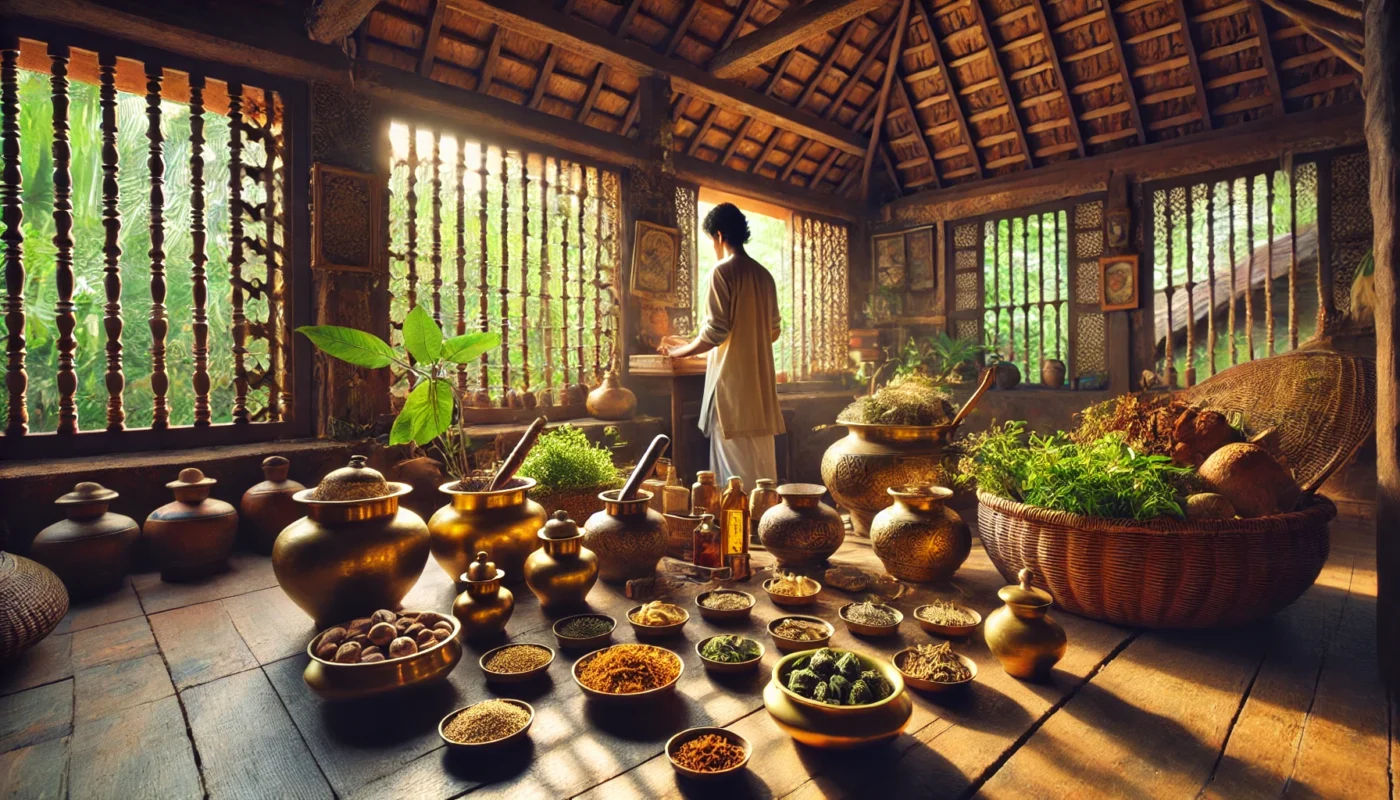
{"points": [[735, 534]]}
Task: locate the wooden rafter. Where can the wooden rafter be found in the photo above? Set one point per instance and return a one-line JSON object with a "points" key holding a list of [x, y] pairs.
{"points": [[902, 96], [959, 112], [768, 86], [551, 57], [824, 67], [1120, 54], [798, 24], [1266, 55], [625, 21], [980, 20], [682, 27], [1054, 49], [431, 38], [600, 75], [493, 57], [1189, 38], [883, 105], [329, 21]]}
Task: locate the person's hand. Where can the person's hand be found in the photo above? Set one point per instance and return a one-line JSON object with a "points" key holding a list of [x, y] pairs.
{"points": [[664, 349]]}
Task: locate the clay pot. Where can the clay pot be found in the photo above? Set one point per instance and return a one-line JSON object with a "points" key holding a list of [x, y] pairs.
{"points": [[919, 538], [611, 400], [1022, 636], [268, 507], [485, 607], [424, 475], [90, 551], [860, 469], [192, 537], [1008, 375], [562, 571], [32, 602], [803, 530], [627, 535], [503, 523], [1052, 373]]}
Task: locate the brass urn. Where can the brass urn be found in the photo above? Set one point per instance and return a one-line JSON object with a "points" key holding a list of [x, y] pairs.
{"points": [[860, 468], [356, 551], [802, 530], [1022, 636], [562, 571], [628, 536], [611, 400], [486, 605], [503, 523], [268, 507], [919, 538], [192, 537], [90, 550]]}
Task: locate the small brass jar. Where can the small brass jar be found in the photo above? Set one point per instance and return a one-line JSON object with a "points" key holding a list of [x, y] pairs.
{"points": [[611, 400], [91, 549], [503, 523], [192, 537], [919, 538], [268, 507], [486, 605], [802, 530], [628, 536], [562, 571], [356, 551], [1022, 636]]}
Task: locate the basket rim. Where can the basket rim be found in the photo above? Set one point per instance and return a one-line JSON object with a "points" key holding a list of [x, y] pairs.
{"points": [[1319, 510]]}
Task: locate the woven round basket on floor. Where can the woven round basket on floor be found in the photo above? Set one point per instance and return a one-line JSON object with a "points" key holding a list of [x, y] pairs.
{"points": [[32, 602], [1160, 573]]}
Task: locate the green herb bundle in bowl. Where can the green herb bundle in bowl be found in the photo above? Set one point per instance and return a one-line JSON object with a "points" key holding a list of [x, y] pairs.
{"points": [[570, 472], [728, 653]]}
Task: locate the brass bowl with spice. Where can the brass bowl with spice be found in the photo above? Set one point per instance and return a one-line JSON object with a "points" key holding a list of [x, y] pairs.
{"points": [[516, 663], [579, 632], [737, 644], [496, 723], [725, 605], [779, 598], [628, 672], [657, 619], [822, 629], [867, 619], [708, 753], [947, 619], [917, 659], [338, 680]]}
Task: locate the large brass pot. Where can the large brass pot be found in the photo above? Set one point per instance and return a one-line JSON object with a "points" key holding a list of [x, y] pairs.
{"points": [[611, 400], [919, 538], [860, 468], [562, 571], [802, 530], [268, 507], [350, 557], [91, 549], [629, 536], [503, 523]]}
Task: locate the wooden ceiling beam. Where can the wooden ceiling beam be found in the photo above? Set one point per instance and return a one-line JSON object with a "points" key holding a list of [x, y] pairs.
{"points": [[1120, 53], [877, 129], [438, 10], [682, 27], [493, 58], [1221, 12], [628, 14], [820, 73], [329, 21], [1165, 65], [921, 7], [795, 26], [866, 59], [1316, 16], [1237, 77], [1054, 48], [925, 148], [1155, 33], [768, 87], [592, 97], [1079, 22], [538, 20], [1188, 37]]}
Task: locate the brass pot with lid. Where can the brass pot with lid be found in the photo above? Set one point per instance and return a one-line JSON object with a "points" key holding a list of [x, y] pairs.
{"points": [[269, 506], [1021, 634], [356, 551], [562, 571], [192, 537], [90, 550], [802, 530], [485, 607]]}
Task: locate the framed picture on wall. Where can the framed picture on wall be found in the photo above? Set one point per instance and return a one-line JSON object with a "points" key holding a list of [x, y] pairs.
{"points": [[655, 253], [344, 219], [890, 265], [921, 260], [1118, 282], [1116, 229]]}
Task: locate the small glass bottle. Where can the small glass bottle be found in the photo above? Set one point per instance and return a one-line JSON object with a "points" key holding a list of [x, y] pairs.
{"points": [[734, 517], [705, 494], [764, 497], [676, 497], [708, 547]]}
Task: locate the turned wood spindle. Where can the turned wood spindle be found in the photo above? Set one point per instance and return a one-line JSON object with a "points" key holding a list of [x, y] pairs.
{"points": [[1249, 269], [1292, 256], [1190, 355], [435, 255], [111, 248], [546, 321], [12, 206], [236, 254], [277, 395], [483, 277], [1269, 264], [1230, 314], [198, 258], [565, 200], [459, 184], [525, 272], [597, 277], [411, 196], [63, 241], [159, 324], [582, 261], [505, 274]]}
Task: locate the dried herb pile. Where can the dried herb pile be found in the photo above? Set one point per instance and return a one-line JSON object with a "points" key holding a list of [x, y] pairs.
{"points": [[629, 668], [1144, 420], [709, 753], [837, 678], [906, 400]]}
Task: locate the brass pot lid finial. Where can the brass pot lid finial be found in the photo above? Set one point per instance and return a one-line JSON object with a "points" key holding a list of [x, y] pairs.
{"points": [[87, 493], [560, 526], [1025, 594], [482, 569], [358, 481], [275, 468]]}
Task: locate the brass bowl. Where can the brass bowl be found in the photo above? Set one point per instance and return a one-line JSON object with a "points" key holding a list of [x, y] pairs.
{"points": [[335, 681], [494, 744], [514, 677], [786, 645], [934, 687], [790, 600], [724, 614], [729, 667], [649, 694], [865, 629], [827, 726], [644, 631], [950, 631], [673, 744], [584, 642]]}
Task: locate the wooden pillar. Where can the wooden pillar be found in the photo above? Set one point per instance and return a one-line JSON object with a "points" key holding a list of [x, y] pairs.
{"points": [[1383, 142], [651, 197]]}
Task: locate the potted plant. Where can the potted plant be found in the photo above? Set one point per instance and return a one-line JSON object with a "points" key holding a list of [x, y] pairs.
{"points": [[569, 472]]}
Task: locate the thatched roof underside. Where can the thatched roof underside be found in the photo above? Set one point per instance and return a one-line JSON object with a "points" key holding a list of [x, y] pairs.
{"points": [[984, 88]]}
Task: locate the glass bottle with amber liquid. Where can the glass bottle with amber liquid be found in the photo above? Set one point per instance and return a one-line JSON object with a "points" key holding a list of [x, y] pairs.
{"points": [[707, 543], [763, 497], [705, 494], [734, 518]]}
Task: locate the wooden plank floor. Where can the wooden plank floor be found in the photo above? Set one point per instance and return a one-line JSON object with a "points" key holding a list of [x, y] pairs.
{"points": [[174, 691]]}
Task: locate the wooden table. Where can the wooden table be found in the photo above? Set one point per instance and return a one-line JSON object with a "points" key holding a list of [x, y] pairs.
{"points": [[684, 380], [183, 691]]}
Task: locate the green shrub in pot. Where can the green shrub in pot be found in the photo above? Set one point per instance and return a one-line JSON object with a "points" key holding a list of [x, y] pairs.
{"points": [[570, 471]]}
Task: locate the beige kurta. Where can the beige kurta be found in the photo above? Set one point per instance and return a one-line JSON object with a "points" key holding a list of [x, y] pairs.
{"points": [[742, 321]]}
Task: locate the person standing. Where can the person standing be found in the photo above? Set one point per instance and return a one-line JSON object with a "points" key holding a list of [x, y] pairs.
{"points": [[739, 409]]}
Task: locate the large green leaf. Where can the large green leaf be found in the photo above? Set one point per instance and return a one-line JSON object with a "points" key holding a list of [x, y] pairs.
{"points": [[422, 336], [426, 414], [468, 347], [348, 344], [402, 432]]}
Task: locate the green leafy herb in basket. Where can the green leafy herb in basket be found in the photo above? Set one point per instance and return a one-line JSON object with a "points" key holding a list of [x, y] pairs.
{"points": [[563, 458], [1102, 478]]}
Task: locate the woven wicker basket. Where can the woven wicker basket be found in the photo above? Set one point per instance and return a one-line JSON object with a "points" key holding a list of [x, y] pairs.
{"points": [[32, 603], [580, 503]]}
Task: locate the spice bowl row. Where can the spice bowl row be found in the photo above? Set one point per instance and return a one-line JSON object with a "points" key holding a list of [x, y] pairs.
{"points": [[515, 663]]}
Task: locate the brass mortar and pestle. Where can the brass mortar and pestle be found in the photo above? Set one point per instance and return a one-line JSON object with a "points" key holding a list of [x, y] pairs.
{"points": [[628, 535]]}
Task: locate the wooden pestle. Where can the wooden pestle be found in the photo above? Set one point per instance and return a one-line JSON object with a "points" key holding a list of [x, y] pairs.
{"points": [[512, 463], [644, 467]]}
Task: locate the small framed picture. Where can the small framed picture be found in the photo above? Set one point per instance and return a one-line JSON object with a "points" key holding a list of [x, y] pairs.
{"points": [[655, 253], [344, 219], [1118, 282], [1116, 229], [890, 261], [919, 257]]}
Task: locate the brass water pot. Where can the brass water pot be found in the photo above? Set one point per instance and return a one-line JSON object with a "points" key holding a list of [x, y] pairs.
{"points": [[192, 537], [1022, 636], [611, 400], [485, 607], [860, 468], [503, 523], [628, 536], [919, 538], [268, 507], [356, 551], [562, 571], [90, 550], [802, 530]]}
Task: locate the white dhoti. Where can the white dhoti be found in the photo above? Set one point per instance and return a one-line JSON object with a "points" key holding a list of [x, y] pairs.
{"points": [[748, 457]]}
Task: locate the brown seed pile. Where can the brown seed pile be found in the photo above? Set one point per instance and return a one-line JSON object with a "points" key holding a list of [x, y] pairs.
{"points": [[517, 658], [486, 721], [709, 753], [936, 662], [382, 635], [876, 614], [629, 668], [942, 612], [801, 629], [725, 601]]}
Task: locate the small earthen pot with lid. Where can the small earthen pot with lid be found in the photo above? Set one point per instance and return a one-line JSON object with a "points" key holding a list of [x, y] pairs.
{"points": [[356, 551], [91, 549], [192, 537], [268, 507]]}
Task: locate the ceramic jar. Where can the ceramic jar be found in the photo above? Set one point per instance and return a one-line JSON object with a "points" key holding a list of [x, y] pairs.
{"points": [[627, 535], [485, 607], [802, 530], [268, 507], [503, 523], [32, 603], [356, 550], [611, 400], [1022, 636], [919, 538], [763, 497], [90, 551], [860, 468], [192, 537], [1052, 373], [562, 571], [1008, 375]]}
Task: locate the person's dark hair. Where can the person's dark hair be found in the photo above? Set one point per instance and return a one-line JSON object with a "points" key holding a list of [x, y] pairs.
{"points": [[727, 220]]}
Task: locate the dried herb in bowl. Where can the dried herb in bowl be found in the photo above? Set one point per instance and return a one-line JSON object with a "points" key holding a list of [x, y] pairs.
{"points": [[518, 658], [802, 630], [874, 614], [709, 753], [837, 678], [725, 601], [486, 721], [629, 669], [935, 662], [585, 627], [942, 612], [730, 649]]}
